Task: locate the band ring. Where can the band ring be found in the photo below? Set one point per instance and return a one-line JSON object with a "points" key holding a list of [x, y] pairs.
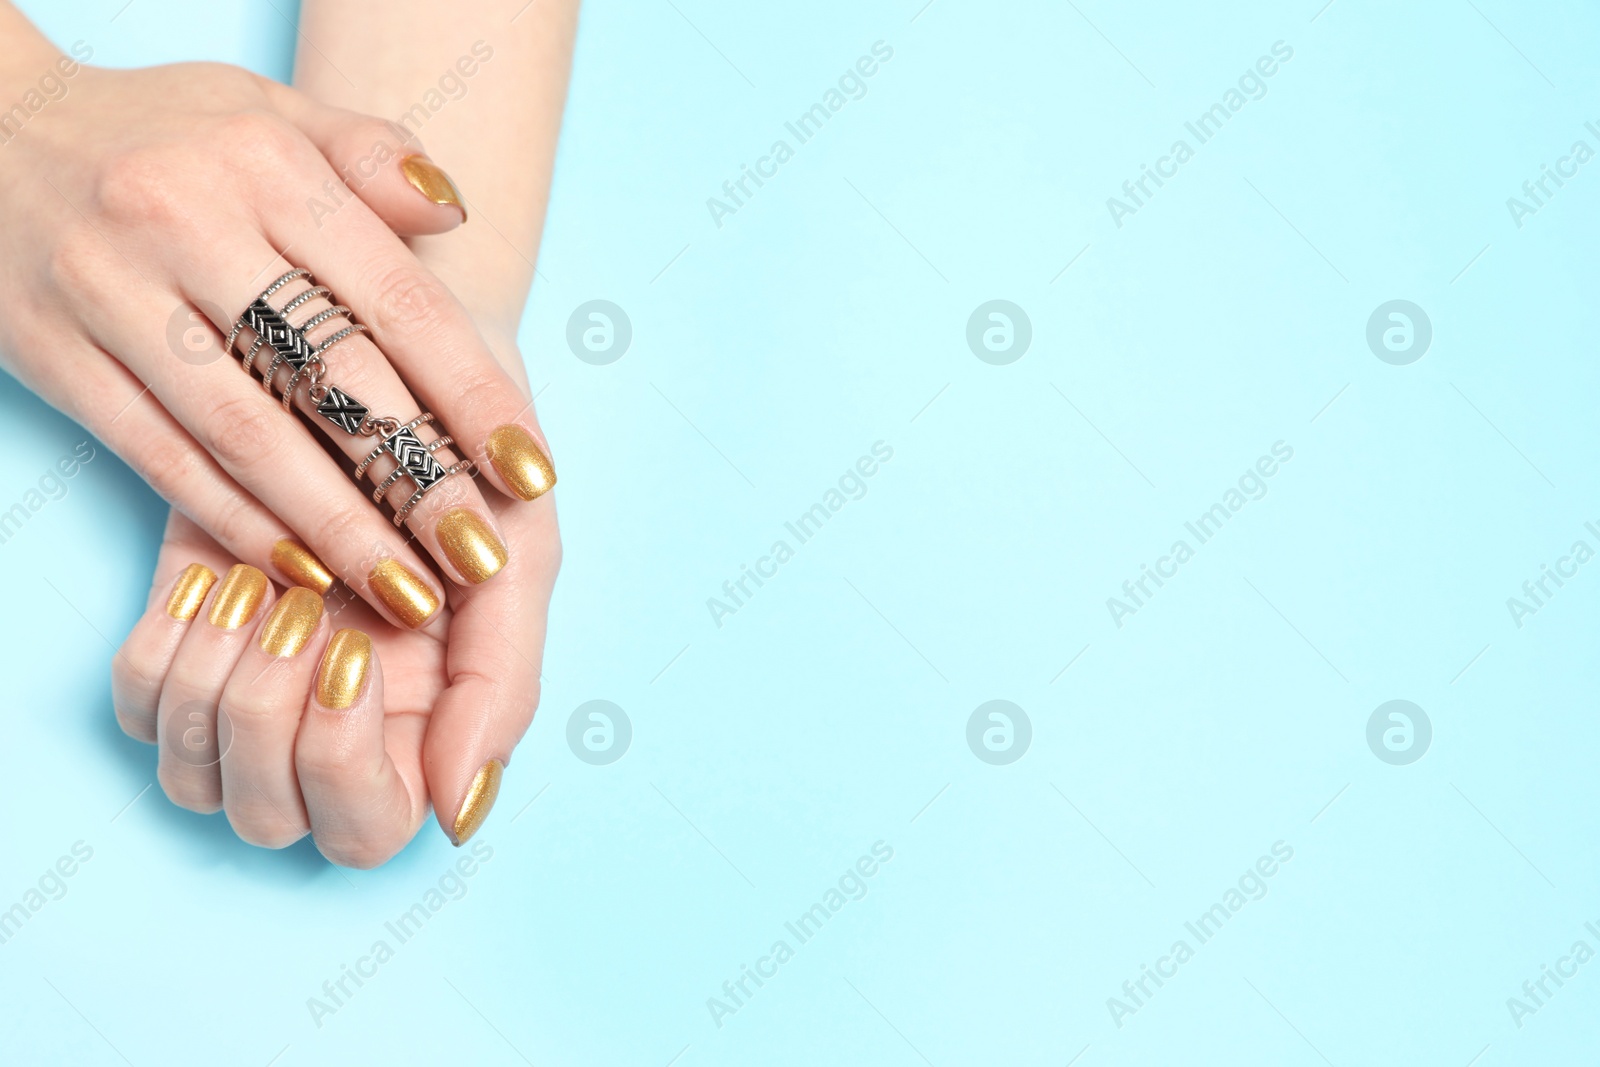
{"points": [[290, 344]]}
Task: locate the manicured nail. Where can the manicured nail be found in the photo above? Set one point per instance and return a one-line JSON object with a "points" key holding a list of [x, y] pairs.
{"points": [[238, 597], [292, 623], [426, 177], [526, 469], [190, 591], [411, 599], [480, 798], [344, 669], [470, 545], [296, 563]]}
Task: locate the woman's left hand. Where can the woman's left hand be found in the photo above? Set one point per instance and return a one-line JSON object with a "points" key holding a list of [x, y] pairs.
{"points": [[296, 717]]}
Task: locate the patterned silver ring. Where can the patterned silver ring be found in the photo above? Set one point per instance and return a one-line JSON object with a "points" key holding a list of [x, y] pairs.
{"points": [[292, 347]]}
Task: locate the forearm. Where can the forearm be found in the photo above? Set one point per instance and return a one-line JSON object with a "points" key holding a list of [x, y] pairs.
{"points": [[482, 87]]}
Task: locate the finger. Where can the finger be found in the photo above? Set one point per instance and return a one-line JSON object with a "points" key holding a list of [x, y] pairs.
{"points": [[380, 162], [141, 664], [263, 701], [363, 807], [276, 462], [430, 340], [449, 517], [136, 427], [191, 740], [496, 648], [186, 569], [126, 313]]}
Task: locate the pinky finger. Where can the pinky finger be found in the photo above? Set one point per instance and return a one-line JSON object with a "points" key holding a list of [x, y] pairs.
{"points": [[184, 575]]}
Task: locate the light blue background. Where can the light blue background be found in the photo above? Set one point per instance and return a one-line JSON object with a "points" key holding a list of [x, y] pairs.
{"points": [[830, 712]]}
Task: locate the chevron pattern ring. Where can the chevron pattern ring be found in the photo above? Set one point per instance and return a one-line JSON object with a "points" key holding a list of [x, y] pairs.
{"points": [[272, 328], [290, 344], [406, 447]]}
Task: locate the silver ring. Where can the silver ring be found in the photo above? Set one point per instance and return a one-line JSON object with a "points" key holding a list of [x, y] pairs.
{"points": [[239, 323], [291, 345], [416, 498], [421, 420], [305, 298]]}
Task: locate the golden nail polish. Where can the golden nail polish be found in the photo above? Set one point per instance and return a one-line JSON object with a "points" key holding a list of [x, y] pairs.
{"points": [[517, 457], [402, 592], [238, 597], [292, 623], [190, 591], [426, 177], [296, 563], [480, 798], [471, 545], [343, 669]]}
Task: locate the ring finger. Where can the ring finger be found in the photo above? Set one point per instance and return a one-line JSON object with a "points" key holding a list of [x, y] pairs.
{"points": [[369, 415], [283, 467]]}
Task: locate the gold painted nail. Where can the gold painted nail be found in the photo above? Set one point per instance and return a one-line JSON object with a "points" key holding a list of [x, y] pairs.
{"points": [[470, 545], [239, 596], [517, 457], [480, 798], [426, 177], [292, 623], [190, 591], [344, 669], [402, 592], [296, 563]]}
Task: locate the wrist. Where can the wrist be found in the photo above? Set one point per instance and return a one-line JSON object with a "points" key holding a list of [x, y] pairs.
{"points": [[34, 82], [26, 55]]}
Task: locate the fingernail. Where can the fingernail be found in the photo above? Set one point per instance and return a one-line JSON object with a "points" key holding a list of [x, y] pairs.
{"points": [[402, 592], [293, 621], [426, 177], [238, 598], [480, 798], [526, 469], [296, 563], [343, 669], [470, 545], [190, 591]]}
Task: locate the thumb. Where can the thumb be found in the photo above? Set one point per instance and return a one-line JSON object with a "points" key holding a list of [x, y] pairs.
{"points": [[381, 162], [497, 634]]}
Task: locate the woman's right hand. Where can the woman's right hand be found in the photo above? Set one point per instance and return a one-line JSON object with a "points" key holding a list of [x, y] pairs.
{"points": [[138, 197]]}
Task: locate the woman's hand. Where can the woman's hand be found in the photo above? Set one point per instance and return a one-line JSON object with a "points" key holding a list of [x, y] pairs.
{"points": [[142, 195], [296, 717]]}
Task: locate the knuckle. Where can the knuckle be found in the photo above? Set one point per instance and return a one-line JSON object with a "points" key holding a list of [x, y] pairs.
{"points": [[411, 301], [343, 526], [232, 521], [331, 765], [248, 713], [77, 262], [265, 829], [140, 726], [262, 137], [166, 464], [483, 392], [135, 697], [379, 140], [355, 853], [141, 186], [241, 431], [184, 790]]}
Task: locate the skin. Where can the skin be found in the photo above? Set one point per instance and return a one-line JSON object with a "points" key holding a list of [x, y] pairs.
{"points": [[121, 210]]}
